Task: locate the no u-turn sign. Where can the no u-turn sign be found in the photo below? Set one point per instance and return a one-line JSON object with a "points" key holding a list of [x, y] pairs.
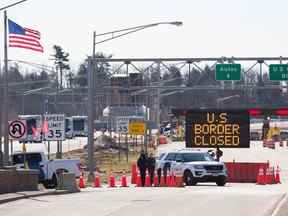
{"points": [[17, 129]]}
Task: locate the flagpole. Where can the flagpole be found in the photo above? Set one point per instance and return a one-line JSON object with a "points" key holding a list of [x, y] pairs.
{"points": [[6, 98]]}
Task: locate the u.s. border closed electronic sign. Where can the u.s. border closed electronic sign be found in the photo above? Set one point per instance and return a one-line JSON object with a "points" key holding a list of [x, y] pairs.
{"points": [[209, 128]]}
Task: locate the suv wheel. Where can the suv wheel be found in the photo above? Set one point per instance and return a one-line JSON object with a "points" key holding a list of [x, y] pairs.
{"points": [[52, 183], [189, 179], [221, 181]]}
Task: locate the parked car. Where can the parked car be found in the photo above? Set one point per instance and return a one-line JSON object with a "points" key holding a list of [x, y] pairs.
{"points": [[49, 169], [194, 166]]}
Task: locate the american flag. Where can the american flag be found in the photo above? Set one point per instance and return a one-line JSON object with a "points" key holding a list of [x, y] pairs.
{"points": [[25, 38]]}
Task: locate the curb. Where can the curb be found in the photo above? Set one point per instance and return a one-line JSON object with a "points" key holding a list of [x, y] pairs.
{"points": [[27, 196], [280, 206]]}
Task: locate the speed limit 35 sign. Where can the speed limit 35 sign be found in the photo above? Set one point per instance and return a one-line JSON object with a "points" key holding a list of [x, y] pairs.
{"points": [[56, 127], [122, 124]]}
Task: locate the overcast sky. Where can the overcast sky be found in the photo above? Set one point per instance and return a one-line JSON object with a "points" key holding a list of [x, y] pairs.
{"points": [[211, 28]]}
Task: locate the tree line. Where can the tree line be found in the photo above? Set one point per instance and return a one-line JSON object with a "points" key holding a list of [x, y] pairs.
{"points": [[28, 90]]}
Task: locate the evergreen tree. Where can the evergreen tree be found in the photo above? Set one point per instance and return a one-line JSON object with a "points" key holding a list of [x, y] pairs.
{"points": [[61, 61], [101, 71]]}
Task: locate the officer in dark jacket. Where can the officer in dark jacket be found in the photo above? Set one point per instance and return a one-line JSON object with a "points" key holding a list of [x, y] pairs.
{"points": [[142, 165], [219, 153], [151, 167], [265, 128]]}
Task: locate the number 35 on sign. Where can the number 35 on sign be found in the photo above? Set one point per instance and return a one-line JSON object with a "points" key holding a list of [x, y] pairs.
{"points": [[56, 127]]}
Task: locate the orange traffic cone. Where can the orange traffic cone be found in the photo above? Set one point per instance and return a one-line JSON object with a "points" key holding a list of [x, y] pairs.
{"points": [[269, 175], [261, 177], [124, 180], [168, 179], [97, 182], [155, 180], [138, 180], [111, 180], [179, 181], [277, 176], [81, 182], [273, 175], [134, 174], [162, 181], [172, 181], [147, 180]]}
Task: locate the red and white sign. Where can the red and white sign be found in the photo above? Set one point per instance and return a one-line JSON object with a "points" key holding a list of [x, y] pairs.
{"points": [[17, 129]]}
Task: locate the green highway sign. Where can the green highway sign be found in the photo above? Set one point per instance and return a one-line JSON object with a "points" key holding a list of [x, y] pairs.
{"points": [[278, 72], [228, 71]]}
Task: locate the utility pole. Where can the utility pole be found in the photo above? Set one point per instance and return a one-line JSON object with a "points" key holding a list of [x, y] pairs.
{"points": [[1, 123], [90, 143], [90, 82], [147, 116], [6, 98], [158, 112], [59, 147]]}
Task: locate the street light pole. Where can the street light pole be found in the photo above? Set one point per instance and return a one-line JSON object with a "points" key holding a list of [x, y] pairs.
{"points": [[11, 5], [131, 30], [90, 76], [158, 111], [90, 122], [90, 80]]}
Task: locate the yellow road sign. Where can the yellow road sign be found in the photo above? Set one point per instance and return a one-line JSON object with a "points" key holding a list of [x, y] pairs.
{"points": [[137, 128]]}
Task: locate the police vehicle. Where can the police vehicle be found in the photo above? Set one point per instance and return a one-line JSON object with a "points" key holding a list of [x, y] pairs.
{"points": [[193, 165]]}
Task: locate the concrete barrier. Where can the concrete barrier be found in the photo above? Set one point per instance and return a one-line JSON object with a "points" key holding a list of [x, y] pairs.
{"points": [[12, 180], [67, 181], [8, 181], [244, 172], [27, 180]]}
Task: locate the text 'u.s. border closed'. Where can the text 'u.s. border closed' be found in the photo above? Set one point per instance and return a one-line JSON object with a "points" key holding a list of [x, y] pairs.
{"points": [[207, 129]]}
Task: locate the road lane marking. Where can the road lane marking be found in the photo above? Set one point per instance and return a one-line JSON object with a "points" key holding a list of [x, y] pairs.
{"points": [[279, 205]]}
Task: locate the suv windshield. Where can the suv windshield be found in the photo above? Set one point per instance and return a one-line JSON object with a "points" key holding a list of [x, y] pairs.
{"points": [[190, 157], [31, 158]]}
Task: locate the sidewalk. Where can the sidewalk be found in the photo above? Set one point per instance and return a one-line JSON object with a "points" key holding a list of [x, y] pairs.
{"points": [[9, 197]]}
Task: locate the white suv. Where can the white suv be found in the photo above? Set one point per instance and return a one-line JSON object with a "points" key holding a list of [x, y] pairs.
{"points": [[194, 166]]}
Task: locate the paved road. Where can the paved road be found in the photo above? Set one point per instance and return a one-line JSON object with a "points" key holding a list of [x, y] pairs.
{"points": [[256, 153], [204, 200]]}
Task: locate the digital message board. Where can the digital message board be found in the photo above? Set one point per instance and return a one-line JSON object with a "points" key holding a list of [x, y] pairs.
{"points": [[225, 128]]}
